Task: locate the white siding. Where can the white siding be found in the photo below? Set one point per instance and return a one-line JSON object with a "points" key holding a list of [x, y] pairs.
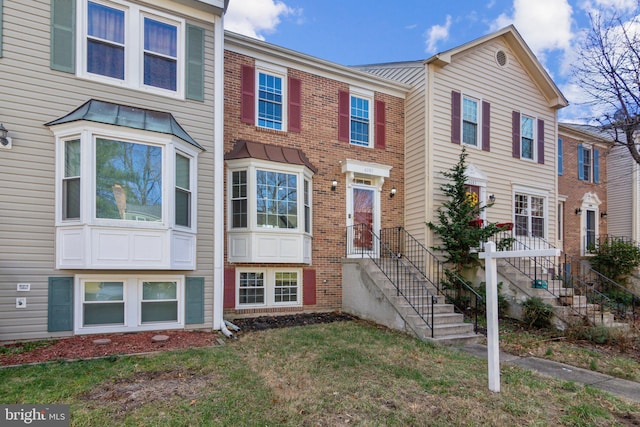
{"points": [[33, 95]]}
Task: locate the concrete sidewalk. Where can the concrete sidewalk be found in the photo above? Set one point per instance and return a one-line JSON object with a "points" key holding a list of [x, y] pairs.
{"points": [[629, 390]]}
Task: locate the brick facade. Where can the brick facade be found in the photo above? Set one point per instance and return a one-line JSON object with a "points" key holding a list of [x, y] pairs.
{"points": [[318, 139], [578, 192]]}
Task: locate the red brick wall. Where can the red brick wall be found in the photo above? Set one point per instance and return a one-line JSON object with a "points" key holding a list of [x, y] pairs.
{"points": [[319, 141], [569, 185]]}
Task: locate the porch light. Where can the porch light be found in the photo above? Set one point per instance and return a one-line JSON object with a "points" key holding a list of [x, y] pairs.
{"points": [[603, 214], [492, 198], [393, 192], [334, 185], [5, 140], [578, 211]]}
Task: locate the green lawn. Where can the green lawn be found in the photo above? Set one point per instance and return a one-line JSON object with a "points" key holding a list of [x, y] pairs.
{"points": [[343, 373]]}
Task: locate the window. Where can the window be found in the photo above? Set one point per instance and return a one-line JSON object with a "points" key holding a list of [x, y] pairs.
{"points": [[276, 199], [469, 121], [159, 302], [239, 199], [103, 303], [71, 180], [360, 123], [526, 138], [129, 45], [112, 304], [128, 181], [530, 215], [183, 191], [267, 199], [270, 96], [588, 163], [269, 287]]}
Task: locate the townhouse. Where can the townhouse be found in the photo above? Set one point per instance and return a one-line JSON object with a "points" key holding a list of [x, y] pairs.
{"points": [[114, 112]]}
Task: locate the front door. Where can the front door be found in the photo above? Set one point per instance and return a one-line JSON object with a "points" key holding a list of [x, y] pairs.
{"points": [[363, 218]]}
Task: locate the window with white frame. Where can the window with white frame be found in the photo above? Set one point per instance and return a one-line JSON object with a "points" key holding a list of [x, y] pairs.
{"points": [[470, 120], [126, 185], [588, 163], [360, 118], [123, 43], [269, 287], [529, 211], [270, 196], [129, 303], [527, 148]]}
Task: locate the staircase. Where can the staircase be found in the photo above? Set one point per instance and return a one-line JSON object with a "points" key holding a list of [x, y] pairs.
{"points": [[401, 287], [573, 288]]}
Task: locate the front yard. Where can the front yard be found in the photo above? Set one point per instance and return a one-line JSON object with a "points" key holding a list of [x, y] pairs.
{"points": [[342, 373]]}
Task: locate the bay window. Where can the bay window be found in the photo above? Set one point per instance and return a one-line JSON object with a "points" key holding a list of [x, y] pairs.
{"points": [[125, 197], [269, 211]]}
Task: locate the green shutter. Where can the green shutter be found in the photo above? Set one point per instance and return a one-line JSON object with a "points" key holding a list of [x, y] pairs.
{"points": [[63, 18], [195, 63], [60, 305], [194, 300]]}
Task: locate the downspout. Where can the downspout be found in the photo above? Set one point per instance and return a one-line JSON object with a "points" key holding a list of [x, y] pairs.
{"points": [[218, 178]]}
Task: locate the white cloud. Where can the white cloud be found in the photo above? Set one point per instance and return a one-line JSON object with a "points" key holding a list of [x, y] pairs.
{"points": [[544, 24], [620, 5], [254, 18], [436, 34]]}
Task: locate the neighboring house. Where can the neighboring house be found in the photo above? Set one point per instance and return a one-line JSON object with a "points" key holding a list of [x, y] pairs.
{"points": [[311, 148], [493, 97], [582, 187], [623, 194], [114, 113]]}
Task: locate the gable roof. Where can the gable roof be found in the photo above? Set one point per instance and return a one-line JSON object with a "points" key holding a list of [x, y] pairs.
{"points": [[524, 54], [596, 133], [131, 117]]}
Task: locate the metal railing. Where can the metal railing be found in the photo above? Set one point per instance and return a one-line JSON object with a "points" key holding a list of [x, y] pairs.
{"points": [[567, 279], [363, 242], [456, 290]]}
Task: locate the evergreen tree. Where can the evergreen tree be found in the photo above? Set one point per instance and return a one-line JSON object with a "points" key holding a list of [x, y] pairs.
{"points": [[459, 227]]}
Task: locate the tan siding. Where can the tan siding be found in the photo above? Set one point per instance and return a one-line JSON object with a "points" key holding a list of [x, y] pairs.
{"points": [[621, 183], [33, 95]]}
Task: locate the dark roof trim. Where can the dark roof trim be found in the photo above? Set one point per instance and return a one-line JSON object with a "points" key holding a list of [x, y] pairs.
{"points": [[256, 150], [131, 117]]}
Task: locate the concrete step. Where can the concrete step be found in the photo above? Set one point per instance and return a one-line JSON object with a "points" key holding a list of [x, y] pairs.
{"points": [[440, 319], [457, 340], [448, 329], [437, 308]]}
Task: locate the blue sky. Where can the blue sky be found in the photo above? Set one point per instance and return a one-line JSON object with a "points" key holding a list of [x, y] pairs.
{"points": [[356, 32]]}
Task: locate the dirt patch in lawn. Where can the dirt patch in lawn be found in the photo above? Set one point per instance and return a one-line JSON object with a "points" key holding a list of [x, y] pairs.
{"points": [[151, 386]]}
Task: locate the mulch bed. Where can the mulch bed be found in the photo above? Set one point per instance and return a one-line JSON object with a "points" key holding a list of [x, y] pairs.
{"points": [[85, 346]]}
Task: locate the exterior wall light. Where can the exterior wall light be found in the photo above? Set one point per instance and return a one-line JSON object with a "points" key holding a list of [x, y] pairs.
{"points": [[578, 211], [492, 198], [603, 214], [334, 185], [5, 140], [393, 192]]}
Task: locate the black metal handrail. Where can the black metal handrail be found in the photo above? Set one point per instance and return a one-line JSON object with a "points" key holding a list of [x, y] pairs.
{"points": [[456, 290], [556, 276], [363, 242]]}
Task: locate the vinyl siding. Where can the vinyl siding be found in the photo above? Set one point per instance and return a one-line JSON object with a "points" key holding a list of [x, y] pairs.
{"points": [[507, 88], [622, 190], [35, 95]]}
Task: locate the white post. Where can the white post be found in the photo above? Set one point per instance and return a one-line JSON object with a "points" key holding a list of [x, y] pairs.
{"points": [[493, 350]]}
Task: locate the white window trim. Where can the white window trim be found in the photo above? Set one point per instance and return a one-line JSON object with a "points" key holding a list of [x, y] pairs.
{"points": [[134, 47], [193, 182], [370, 96], [251, 166], [590, 149], [478, 101], [277, 71], [534, 145], [590, 202], [269, 287], [87, 132], [536, 192], [132, 303]]}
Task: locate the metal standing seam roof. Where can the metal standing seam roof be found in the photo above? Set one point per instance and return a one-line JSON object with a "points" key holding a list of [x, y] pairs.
{"points": [[131, 117], [256, 150]]}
